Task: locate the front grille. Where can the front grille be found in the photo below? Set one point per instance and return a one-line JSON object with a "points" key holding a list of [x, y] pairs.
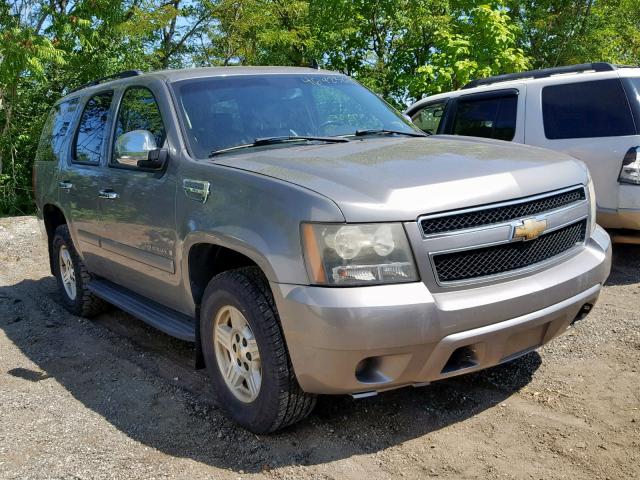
{"points": [[502, 258], [501, 214]]}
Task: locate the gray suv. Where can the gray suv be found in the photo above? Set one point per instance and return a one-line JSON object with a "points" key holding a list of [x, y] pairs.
{"points": [[306, 236]]}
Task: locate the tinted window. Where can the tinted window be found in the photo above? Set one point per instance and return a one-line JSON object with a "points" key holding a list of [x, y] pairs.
{"points": [[586, 109], [92, 129], [55, 130], [634, 92], [428, 119], [632, 88], [493, 117], [139, 111], [223, 112]]}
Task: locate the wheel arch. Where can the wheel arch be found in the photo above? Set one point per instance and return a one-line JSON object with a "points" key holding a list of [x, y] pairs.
{"points": [[53, 217], [204, 258]]}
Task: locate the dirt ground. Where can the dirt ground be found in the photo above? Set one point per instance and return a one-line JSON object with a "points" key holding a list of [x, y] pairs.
{"points": [[113, 398]]}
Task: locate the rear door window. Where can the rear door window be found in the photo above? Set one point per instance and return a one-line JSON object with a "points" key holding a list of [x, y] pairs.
{"points": [[586, 110], [487, 116], [55, 130], [428, 119], [88, 147]]}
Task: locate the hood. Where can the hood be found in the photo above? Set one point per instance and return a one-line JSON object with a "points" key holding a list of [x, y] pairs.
{"points": [[399, 179]]}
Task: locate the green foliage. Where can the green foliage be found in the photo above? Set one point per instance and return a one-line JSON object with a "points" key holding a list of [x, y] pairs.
{"points": [[563, 32], [257, 32], [478, 42], [401, 49]]}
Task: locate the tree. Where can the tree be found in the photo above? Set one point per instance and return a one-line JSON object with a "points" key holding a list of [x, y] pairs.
{"points": [[24, 57], [401, 49], [564, 32], [45, 48], [257, 32], [480, 41], [381, 43]]}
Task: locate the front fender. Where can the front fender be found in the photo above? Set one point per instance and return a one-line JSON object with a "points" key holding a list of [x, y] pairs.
{"points": [[255, 215]]}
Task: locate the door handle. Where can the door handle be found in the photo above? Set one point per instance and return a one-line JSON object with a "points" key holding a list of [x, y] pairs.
{"points": [[65, 185], [108, 194]]}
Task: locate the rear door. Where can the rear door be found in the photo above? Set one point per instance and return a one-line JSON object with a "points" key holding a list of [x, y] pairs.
{"points": [[78, 180], [52, 153], [591, 120], [137, 205]]}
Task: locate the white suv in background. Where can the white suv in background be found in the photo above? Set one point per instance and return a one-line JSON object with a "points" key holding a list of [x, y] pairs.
{"points": [[590, 111]]}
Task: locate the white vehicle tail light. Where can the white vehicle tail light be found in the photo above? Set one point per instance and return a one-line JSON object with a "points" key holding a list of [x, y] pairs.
{"points": [[630, 171]]}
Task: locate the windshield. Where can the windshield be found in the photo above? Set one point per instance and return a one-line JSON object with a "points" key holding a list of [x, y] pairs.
{"points": [[223, 112]]}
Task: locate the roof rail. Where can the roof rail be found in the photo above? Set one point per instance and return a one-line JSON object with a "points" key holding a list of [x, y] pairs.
{"points": [[115, 76], [545, 72]]}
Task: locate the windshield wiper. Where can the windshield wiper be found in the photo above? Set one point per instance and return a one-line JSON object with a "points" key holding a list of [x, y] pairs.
{"points": [[258, 142], [379, 131]]}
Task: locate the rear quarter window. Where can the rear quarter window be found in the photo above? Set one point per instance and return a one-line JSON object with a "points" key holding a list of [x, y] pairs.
{"points": [[586, 110], [56, 131], [632, 87]]}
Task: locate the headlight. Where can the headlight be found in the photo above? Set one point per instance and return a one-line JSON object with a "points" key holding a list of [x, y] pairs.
{"points": [[592, 203], [363, 254]]}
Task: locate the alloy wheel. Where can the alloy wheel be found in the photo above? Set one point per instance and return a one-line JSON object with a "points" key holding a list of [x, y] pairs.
{"points": [[237, 354], [67, 272]]}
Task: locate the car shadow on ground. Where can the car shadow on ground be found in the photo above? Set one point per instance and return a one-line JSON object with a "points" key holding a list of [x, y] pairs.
{"points": [[141, 382]]}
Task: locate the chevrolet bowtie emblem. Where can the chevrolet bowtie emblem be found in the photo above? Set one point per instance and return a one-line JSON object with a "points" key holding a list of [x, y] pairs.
{"points": [[530, 229]]}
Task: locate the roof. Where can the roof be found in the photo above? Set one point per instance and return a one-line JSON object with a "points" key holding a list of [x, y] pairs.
{"points": [[544, 73], [504, 82], [175, 75]]}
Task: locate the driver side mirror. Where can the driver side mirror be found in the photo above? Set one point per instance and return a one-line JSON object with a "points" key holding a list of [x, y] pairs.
{"points": [[138, 149]]}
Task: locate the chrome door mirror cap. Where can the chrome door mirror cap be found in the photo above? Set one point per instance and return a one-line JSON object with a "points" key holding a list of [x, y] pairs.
{"points": [[131, 147]]}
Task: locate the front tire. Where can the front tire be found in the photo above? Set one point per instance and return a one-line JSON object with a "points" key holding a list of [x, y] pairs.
{"points": [[73, 277], [246, 356]]}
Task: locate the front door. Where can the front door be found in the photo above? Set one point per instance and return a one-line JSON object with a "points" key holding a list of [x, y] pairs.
{"points": [[497, 114], [137, 205]]}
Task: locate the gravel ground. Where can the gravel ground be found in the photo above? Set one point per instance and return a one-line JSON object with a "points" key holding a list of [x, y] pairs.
{"points": [[112, 398]]}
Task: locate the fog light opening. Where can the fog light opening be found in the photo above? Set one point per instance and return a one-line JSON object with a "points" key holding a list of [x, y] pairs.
{"points": [[368, 371], [461, 358]]}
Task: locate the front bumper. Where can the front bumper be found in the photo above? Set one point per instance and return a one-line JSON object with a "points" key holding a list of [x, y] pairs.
{"points": [[362, 339]]}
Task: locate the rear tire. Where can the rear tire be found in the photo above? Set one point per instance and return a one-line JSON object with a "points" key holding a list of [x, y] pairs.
{"points": [[246, 355], [73, 277]]}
